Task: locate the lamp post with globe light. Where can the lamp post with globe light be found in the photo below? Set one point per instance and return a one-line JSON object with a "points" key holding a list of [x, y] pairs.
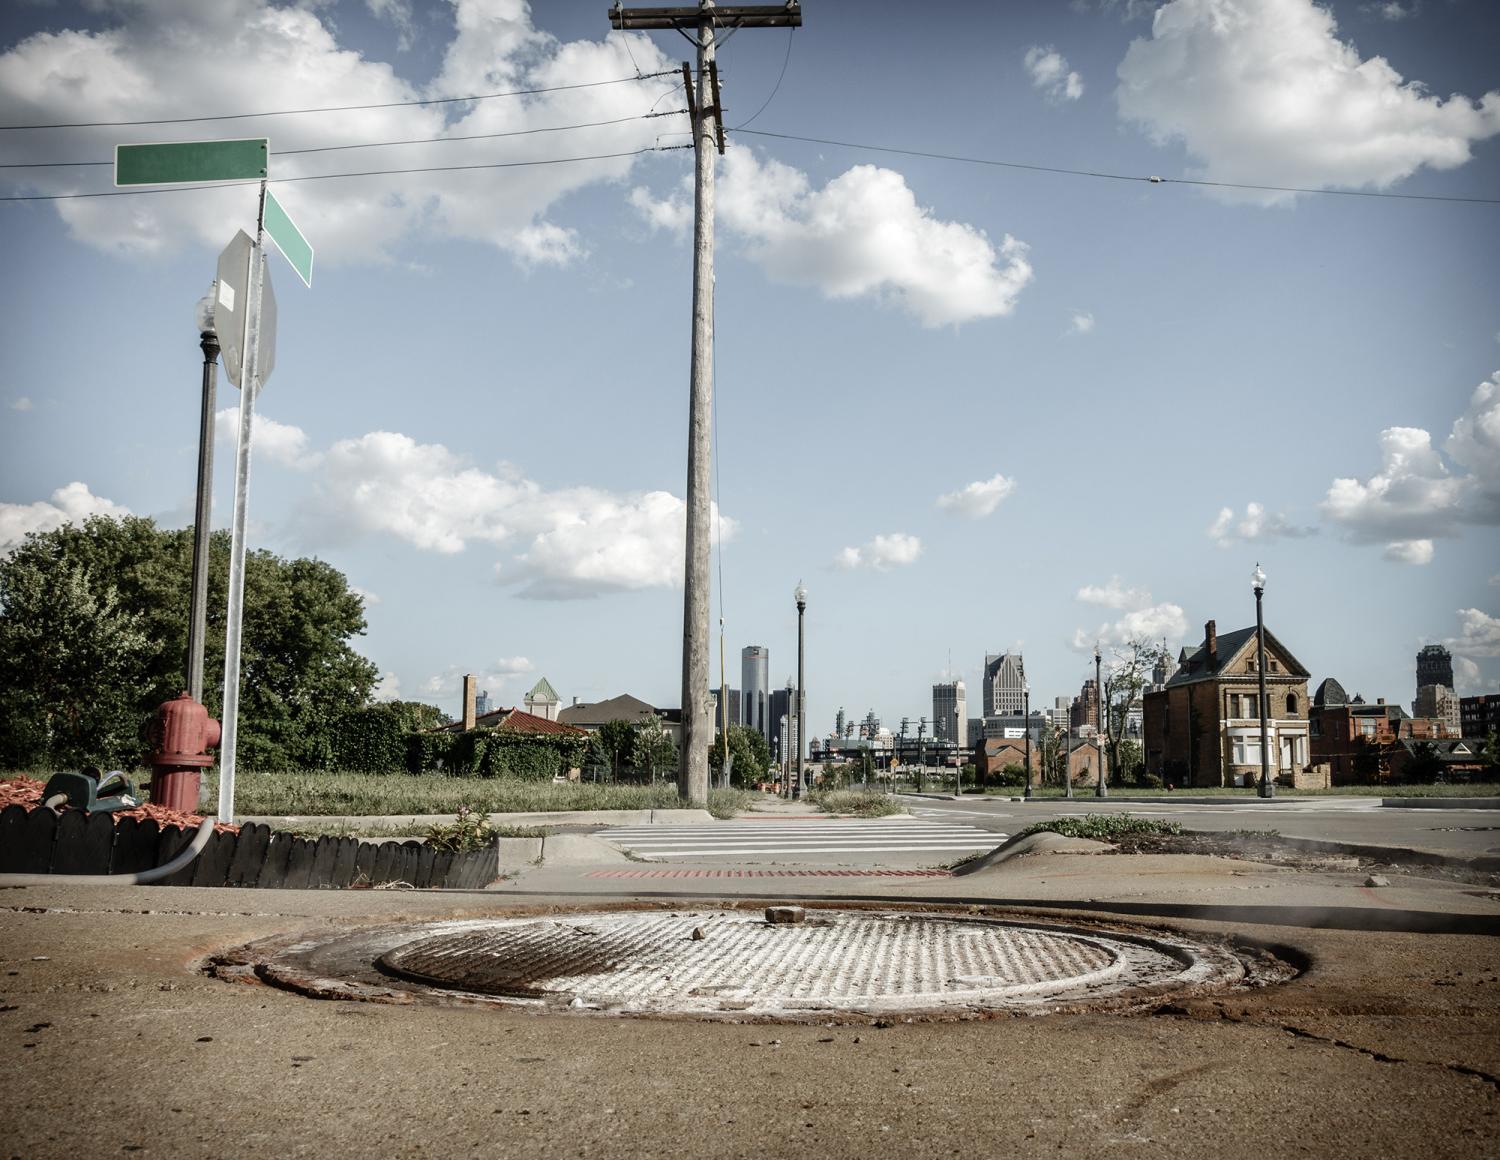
{"points": [[1267, 788], [1100, 717], [800, 595], [208, 342]]}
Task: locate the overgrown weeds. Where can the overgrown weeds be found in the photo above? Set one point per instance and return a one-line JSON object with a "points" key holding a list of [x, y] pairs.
{"points": [[1102, 827], [357, 794], [726, 803], [855, 803], [469, 830]]}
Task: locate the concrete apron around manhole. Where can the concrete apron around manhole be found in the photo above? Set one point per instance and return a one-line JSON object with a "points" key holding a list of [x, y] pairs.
{"points": [[734, 963]]}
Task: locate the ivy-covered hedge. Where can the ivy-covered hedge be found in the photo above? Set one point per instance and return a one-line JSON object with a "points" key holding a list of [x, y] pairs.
{"points": [[371, 741]]}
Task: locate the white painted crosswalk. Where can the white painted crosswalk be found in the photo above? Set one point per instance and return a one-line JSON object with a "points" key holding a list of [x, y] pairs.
{"points": [[785, 839]]}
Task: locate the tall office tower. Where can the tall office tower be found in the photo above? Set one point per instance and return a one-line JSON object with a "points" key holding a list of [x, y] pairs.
{"points": [[1438, 702], [1004, 685], [755, 689], [950, 712], [1086, 708], [783, 703], [1434, 666]]}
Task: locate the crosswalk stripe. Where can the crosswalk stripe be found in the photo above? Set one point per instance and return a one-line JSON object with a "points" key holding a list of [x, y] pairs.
{"points": [[829, 836]]}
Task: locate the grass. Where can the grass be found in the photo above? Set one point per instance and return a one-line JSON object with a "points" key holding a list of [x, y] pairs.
{"points": [[855, 802], [357, 794], [1102, 827], [726, 803]]}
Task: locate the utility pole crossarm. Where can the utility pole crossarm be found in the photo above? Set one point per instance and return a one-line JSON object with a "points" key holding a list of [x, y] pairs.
{"points": [[787, 15]]}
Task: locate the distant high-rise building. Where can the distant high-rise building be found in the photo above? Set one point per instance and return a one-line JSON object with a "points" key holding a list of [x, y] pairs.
{"points": [[838, 722], [1004, 685], [734, 708], [755, 689], [1085, 713], [1439, 703], [1164, 670], [482, 703], [950, 712], [1434, 666], [783, 703]]}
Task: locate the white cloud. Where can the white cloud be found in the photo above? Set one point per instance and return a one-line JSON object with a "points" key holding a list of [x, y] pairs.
{"points": [[1263, 92], [569, 543], [1142, 619], [1114, 594], [398, 13], [978, 499], [1081, 323], [882, 553], [1467, 677], [387, 688], [281, 443], [863, 235], [72, 503], [1255, 525], [513, 665], [370, 598], [1415, 496], [155, 60], [1478, 634], [1049, 72], [21, 404], [1409, 552], [1393, 10], [1494, 580], [494, 678]]}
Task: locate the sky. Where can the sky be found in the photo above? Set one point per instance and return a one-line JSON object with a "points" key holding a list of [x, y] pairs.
{"points": [[974, 405]]}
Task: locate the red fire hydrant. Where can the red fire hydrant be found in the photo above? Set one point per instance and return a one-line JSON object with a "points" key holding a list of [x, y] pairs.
{"points": [[180, 735]]}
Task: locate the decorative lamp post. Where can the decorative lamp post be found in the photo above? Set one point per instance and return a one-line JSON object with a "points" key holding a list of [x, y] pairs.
{"points": [[958, 757], [781, 740], [208, 341], [1267, 788], [1026, 721], [1100, 790], [800, 595]]}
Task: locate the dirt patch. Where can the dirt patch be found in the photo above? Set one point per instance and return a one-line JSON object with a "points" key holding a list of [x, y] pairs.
{"points": [[1270, 849]]}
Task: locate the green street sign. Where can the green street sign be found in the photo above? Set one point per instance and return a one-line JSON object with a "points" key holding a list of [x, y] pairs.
{"points": [[173, 163], [288, 238]]}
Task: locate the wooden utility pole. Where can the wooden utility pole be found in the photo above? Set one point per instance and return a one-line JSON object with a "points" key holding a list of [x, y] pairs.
{"points": [[701, 24]]}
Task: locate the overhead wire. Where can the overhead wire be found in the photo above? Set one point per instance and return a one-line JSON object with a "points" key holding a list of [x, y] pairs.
{"points": [[362, 173], [777, 88], [343, 108], [1131, 177], [386, 144]]}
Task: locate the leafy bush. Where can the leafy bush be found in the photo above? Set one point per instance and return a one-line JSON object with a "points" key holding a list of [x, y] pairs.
{"points": [[726, 803], [372, 739], [469, 830]]}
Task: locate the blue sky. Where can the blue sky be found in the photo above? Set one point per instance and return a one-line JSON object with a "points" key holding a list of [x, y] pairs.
{"points": [[972, 407]]}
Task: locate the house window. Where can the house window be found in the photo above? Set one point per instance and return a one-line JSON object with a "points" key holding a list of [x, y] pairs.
{"points": [[1247, 750], [1291, 704], [1272, 666]]}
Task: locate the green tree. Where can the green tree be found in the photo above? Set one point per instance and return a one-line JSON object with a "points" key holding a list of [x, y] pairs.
{"points": [[71, 668], [1125, 681], [653, 749], [751, 753], [299, 673], [617, 739]]}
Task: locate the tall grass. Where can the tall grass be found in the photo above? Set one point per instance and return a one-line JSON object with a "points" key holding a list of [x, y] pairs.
{"points": [[359, 794], [856, 803]]}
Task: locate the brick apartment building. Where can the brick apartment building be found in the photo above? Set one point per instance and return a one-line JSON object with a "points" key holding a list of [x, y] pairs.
{"points": [[1202, 728]]}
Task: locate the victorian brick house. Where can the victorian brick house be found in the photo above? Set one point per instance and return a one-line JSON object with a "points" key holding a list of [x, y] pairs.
{"points": [[1202, 727]]}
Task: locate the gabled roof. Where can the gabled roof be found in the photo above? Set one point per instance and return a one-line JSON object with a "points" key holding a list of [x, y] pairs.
{"points": [[514, 721], [542, 691], [1196, 666], [621, 708]]}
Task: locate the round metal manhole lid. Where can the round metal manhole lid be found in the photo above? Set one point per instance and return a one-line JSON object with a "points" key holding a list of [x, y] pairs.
{"points": [[835, 961]]}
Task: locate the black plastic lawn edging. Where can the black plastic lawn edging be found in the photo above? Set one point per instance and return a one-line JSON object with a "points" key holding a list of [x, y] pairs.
{"points": [[37, 841]]}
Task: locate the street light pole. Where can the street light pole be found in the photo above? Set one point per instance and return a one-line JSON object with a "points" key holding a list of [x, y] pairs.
{"points": [[781, 755], [1267, 787], [800, 594], [921, 755], [1100, 790], [958, 757], [208, 341], [1026, 724]]}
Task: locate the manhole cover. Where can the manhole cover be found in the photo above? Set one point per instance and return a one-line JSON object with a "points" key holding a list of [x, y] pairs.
{"points": [[734, 962]]}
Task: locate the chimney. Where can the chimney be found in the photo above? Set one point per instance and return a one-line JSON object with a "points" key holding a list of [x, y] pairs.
{"points": [[1380, 700], [1211, 643], [470, 685]]}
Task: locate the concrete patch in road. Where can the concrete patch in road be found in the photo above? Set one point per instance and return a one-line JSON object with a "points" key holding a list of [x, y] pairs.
{"points": [[1041, 843]]}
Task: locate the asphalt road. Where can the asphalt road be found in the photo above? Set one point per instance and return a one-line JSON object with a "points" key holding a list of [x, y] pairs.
{"points": [[1358, 820]]}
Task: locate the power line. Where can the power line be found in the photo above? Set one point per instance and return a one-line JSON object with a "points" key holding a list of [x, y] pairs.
{"points": [[385, 144], [777, 87], [362, 173], [1152, 180], [341, 108]]}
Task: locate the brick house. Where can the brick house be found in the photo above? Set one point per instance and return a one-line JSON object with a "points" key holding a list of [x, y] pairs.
{"points": [[993, 754], [1202, 728], [1360, 743]]}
